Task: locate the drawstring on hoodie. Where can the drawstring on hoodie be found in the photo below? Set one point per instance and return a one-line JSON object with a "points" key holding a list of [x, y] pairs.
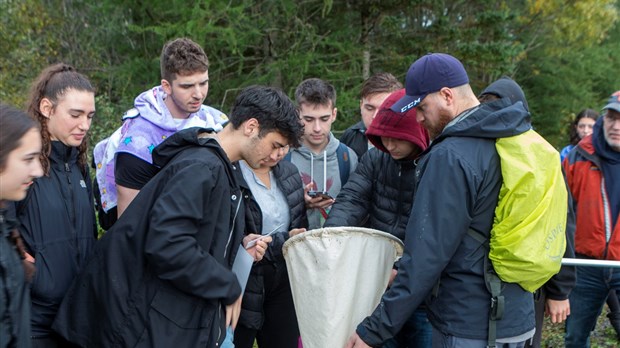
{"points": [[324, 170]]}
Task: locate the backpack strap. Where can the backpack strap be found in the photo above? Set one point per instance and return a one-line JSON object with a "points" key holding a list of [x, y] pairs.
{"points": [[494, 285], [344, 165]]}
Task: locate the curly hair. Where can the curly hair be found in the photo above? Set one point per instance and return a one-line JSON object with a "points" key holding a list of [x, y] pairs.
{"points": [[183, 57], [52, 84], [273, 109]]}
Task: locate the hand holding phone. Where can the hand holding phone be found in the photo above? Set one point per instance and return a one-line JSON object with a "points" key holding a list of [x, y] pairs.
{"points": [[322, 194]]}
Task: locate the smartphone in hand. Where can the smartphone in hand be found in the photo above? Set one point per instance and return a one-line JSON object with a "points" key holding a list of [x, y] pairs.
{"points": [[322, 194]]}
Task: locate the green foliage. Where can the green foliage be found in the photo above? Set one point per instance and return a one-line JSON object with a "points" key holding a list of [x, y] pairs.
{"points": [[561, 52], [26, 47], [567, 62]]}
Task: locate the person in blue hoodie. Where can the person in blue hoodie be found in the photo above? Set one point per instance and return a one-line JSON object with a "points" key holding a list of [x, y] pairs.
{"points": [[162, 275], [457, 181], [124, 161]]}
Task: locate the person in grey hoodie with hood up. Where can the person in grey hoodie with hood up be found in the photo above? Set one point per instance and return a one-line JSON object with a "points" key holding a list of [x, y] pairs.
{"points": [[323, 161]]}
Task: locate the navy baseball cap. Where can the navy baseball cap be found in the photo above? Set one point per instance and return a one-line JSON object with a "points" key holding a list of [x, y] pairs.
{"points": [[614, 102], [429, 74]]}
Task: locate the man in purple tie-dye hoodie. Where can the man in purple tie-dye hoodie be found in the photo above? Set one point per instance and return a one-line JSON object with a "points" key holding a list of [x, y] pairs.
{"points": [[123, 161]]}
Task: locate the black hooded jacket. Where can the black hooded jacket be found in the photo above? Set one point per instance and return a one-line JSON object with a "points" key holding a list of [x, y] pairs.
{"points": [[379, 192], [160, 277]]}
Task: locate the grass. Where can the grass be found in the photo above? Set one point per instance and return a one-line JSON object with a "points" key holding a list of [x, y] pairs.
{"points": [[603, 335]]}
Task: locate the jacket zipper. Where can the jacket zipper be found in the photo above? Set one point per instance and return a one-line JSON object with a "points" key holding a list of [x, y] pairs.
{"points": [[74, 216], [219, 327], [400, 198], [232, 226], [606, 217]]}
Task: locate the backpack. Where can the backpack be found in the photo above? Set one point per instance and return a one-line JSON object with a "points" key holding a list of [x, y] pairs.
{"points": [[344, 165], [528, 239]]}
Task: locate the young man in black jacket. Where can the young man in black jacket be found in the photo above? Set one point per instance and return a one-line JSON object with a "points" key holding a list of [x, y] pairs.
{"points": [[380, 193], [161, 277]]}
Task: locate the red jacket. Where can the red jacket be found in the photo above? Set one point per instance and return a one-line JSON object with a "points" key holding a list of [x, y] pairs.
{"points": [[594, 236]]}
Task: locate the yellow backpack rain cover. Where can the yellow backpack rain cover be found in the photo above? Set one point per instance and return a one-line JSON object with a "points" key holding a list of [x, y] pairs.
{"points": [[528, 236]]}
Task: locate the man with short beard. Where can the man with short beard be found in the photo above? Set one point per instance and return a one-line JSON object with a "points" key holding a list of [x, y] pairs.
{"points": [[458, 180]]}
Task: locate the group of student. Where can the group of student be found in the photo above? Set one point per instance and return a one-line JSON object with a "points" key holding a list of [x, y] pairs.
{"points": [[182, 187]]}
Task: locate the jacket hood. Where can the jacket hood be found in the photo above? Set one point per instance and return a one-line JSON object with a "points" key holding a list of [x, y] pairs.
{"points": [[402, 126], [497, 119], [506, 87], [601, 146], [181, 140], [150, 106]]}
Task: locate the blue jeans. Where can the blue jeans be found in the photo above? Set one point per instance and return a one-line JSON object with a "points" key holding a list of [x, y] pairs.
{"points": [[416, 333], [228, 341], [586, 302]]}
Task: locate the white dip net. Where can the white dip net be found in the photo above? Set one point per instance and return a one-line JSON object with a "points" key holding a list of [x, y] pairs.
{"points": [[337, 276]]}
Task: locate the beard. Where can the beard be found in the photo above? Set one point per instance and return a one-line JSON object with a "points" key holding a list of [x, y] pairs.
{"points": [[434, 130]]}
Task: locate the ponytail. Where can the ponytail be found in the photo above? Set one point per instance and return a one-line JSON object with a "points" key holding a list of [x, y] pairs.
{"points": [[53, 83]]}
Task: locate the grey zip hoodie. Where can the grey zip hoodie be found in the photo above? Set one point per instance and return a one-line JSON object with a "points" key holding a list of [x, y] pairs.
{"points": [[302, 157]]}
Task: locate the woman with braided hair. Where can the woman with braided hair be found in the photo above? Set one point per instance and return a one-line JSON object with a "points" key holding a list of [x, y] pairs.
{"points": [[20, 145], [57, 219]]}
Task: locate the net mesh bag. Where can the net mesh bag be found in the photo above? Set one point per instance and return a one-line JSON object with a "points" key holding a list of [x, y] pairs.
{"points": [[337, 276]]}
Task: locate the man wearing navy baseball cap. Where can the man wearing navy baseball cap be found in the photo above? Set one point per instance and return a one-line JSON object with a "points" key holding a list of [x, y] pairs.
{"points": [[457, 190], [430, 74]]}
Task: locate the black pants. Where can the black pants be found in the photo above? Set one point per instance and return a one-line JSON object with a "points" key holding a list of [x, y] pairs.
{"points": [[53, 341], [280, 329]]}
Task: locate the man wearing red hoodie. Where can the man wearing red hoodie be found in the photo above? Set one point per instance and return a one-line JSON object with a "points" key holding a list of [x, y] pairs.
{"points": [[380, 193], [593, 176]]}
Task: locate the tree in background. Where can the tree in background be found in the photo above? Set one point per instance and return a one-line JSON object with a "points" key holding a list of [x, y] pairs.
{"points": [[572, 51], [562, 52]]}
